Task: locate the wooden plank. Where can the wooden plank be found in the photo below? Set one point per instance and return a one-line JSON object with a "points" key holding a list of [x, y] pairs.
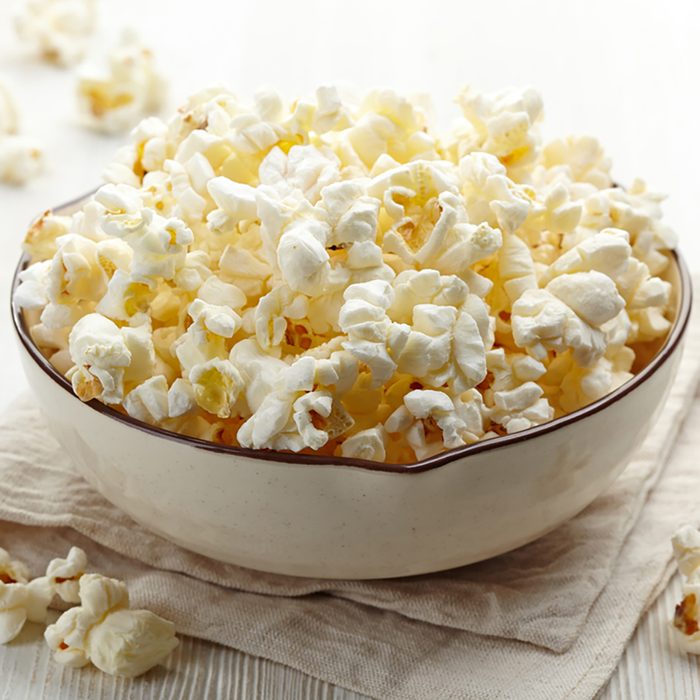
{"points": [[651, 668]]}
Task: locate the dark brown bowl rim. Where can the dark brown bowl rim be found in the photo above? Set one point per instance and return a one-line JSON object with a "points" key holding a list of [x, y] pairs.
{"points": [[674, 337]]}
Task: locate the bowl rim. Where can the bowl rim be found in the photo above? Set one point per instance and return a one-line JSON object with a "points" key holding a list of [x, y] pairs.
{"points": [[442, 458]]}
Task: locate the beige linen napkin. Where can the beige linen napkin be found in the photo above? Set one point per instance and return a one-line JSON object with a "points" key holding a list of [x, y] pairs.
{"points": [[547, 621]]}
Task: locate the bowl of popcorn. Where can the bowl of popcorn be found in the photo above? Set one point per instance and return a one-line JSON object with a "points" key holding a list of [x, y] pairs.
{"points": [[321, 339]]}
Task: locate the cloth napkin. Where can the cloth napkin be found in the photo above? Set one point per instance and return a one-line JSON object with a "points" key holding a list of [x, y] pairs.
{"points": [[549, 620]]}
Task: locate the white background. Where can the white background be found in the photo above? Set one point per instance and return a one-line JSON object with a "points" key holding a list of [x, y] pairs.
{"points": [[626, 72]]}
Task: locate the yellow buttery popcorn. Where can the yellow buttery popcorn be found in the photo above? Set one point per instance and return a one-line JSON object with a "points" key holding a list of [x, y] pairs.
{"points": [[326, 276]]}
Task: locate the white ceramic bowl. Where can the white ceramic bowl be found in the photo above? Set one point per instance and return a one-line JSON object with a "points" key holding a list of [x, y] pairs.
{"points": [[346, 518]]}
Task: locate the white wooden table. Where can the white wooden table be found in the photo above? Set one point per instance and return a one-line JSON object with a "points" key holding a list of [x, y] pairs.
{"points": [[651, 669], [624, 71]]}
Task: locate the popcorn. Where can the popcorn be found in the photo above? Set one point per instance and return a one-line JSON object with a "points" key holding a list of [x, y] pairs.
{"points": [[330, 115], [366, 444], [583, 158], [21, 159], [209, 319], [686, 619], [334, 278], [9, 119], [76, 271], [431, 421], [180, 397], [516, 268], [350, 212], [294, 415], [303, 258], [57, 29], [428, 224], [148, 151], [12, 571], [273, 312], [567, 313], [100, 354], [32, 292], [13, 611], [216, 385], [149, 401], [21, 600], [236, 202], [217, 292], [442, 347], [686, 548], [501, 123], [387, 124], [104, 631], [364, 320], [513, 399], [40, 240], [305, 169], [490, 195], [131, 88], [130, 642], [64, 574]]}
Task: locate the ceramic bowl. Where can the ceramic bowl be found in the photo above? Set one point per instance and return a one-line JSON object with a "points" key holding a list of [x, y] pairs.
{"points": [[335, 517]]}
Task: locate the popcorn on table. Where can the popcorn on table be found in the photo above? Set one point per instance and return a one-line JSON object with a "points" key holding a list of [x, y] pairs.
{"points": [[129, 88], [9, 119], [21, 157], [57, 30], [105, 631], [337, 278], [686, 620], [102, 629]]}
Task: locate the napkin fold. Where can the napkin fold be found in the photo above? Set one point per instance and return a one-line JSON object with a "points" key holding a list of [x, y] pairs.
{"points": [[546, 621]]}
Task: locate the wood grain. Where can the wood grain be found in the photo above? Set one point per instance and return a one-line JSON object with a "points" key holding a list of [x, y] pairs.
{"points": [[651, 668]]}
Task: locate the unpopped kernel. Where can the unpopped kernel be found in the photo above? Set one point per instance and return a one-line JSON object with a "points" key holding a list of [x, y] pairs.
{"points": [[339, 279]]}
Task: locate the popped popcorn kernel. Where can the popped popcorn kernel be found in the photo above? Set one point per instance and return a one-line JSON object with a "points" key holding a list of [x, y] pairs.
{"points": [[9, 119], [130, 88], [332, 278], [57, 30], [105, 631], [21, 599], [21, 157], [685, 623]]}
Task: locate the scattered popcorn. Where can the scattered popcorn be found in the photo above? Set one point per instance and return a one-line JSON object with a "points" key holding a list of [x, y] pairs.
{"points": [[686, 620], [13, 610], [21, 158], [58, 30], [337, 279], [105, 631], [21, 600], [130, 88], [9, 121], [102, 629], [12, 571], [64, 574]]}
